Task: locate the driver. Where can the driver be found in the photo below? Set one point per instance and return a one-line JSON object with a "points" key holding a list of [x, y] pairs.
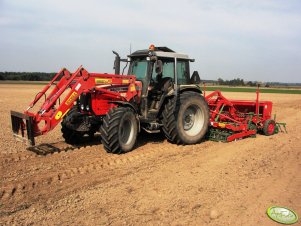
{"points": [[161, 84]]}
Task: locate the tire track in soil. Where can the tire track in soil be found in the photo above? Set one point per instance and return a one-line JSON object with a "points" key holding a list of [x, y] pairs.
{"points": [[21, 188], [118, 172], [112, 161]]}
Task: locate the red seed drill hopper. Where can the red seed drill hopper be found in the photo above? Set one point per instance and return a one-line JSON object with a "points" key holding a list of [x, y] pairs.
{"points": [[235, 119]]}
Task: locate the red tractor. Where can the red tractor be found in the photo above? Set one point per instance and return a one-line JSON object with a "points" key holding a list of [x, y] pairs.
{"points": [[157, 94]]}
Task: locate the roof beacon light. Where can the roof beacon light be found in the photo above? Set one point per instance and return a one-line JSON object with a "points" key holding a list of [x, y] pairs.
{"points": [[152, 47]]}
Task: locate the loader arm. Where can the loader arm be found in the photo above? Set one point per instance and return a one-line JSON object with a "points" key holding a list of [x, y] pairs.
{"points": [[27, 125], [78, 82]]}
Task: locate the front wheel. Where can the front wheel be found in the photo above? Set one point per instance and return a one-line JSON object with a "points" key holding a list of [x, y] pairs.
{"points": [[70, 134], [119, 130]]}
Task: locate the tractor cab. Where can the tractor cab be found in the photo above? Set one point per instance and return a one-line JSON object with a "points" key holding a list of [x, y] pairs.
{"points": [[163, 73]]}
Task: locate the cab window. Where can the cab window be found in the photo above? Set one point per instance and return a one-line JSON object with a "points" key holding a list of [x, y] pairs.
{"points": [[183, 72], [139, 69], [168, 69]]}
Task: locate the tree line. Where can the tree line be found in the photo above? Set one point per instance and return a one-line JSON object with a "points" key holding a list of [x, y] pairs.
{"points": [[236, 82], [26, 76]]}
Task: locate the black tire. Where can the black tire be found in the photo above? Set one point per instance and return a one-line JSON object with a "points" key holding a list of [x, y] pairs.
{"points": [[70, 135], [119, 130], [269, 127], [186, 119]]}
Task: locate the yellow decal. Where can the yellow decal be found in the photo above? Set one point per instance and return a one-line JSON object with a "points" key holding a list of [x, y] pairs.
{"points": [[58, 115], [103, 80], [125, 81], [72, 98], [222, 125], [132, 88]]}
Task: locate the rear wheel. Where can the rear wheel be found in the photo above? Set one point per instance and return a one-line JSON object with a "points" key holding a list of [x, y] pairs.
{"points": [[269, 127], [186, 120], [119, 130]]}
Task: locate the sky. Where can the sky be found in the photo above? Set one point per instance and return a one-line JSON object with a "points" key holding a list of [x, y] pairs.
{"points": [[256, 40]]}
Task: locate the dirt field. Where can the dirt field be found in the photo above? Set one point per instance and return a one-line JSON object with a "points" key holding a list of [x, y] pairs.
{"points": [[156, 184]]}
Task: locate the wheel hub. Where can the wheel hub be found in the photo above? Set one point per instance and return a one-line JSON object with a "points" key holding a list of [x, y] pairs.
{"points": [[193, 120], [188, 121], [271, 128]]}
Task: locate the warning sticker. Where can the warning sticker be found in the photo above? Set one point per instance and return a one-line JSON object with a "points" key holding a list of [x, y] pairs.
{"points": [[103, 80], [78, 86], [71, 98], [125, 81]]}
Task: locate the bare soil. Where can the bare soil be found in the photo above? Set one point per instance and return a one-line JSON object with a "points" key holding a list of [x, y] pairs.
{"points": [[158, 183]]}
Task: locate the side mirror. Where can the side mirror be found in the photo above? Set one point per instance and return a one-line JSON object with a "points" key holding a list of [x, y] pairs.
{"points": [[195, 78], [159, 66]]}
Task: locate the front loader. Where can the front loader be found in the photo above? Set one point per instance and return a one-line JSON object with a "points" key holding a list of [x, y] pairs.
{"points": [[87, 96], [158, 94]]}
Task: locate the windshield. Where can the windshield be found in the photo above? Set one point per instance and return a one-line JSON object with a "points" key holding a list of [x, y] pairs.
{"points": [[139, 69]]}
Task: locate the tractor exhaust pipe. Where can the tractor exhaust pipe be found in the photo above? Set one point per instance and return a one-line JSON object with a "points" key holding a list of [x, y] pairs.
{"points": [[116, 63]]}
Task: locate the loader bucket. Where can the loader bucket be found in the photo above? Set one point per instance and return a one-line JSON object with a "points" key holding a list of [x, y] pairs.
{"points": [[22, 126]]}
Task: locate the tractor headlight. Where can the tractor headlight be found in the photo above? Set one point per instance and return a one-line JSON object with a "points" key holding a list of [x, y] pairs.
{"points": [[87, 108], [82, 107]]}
